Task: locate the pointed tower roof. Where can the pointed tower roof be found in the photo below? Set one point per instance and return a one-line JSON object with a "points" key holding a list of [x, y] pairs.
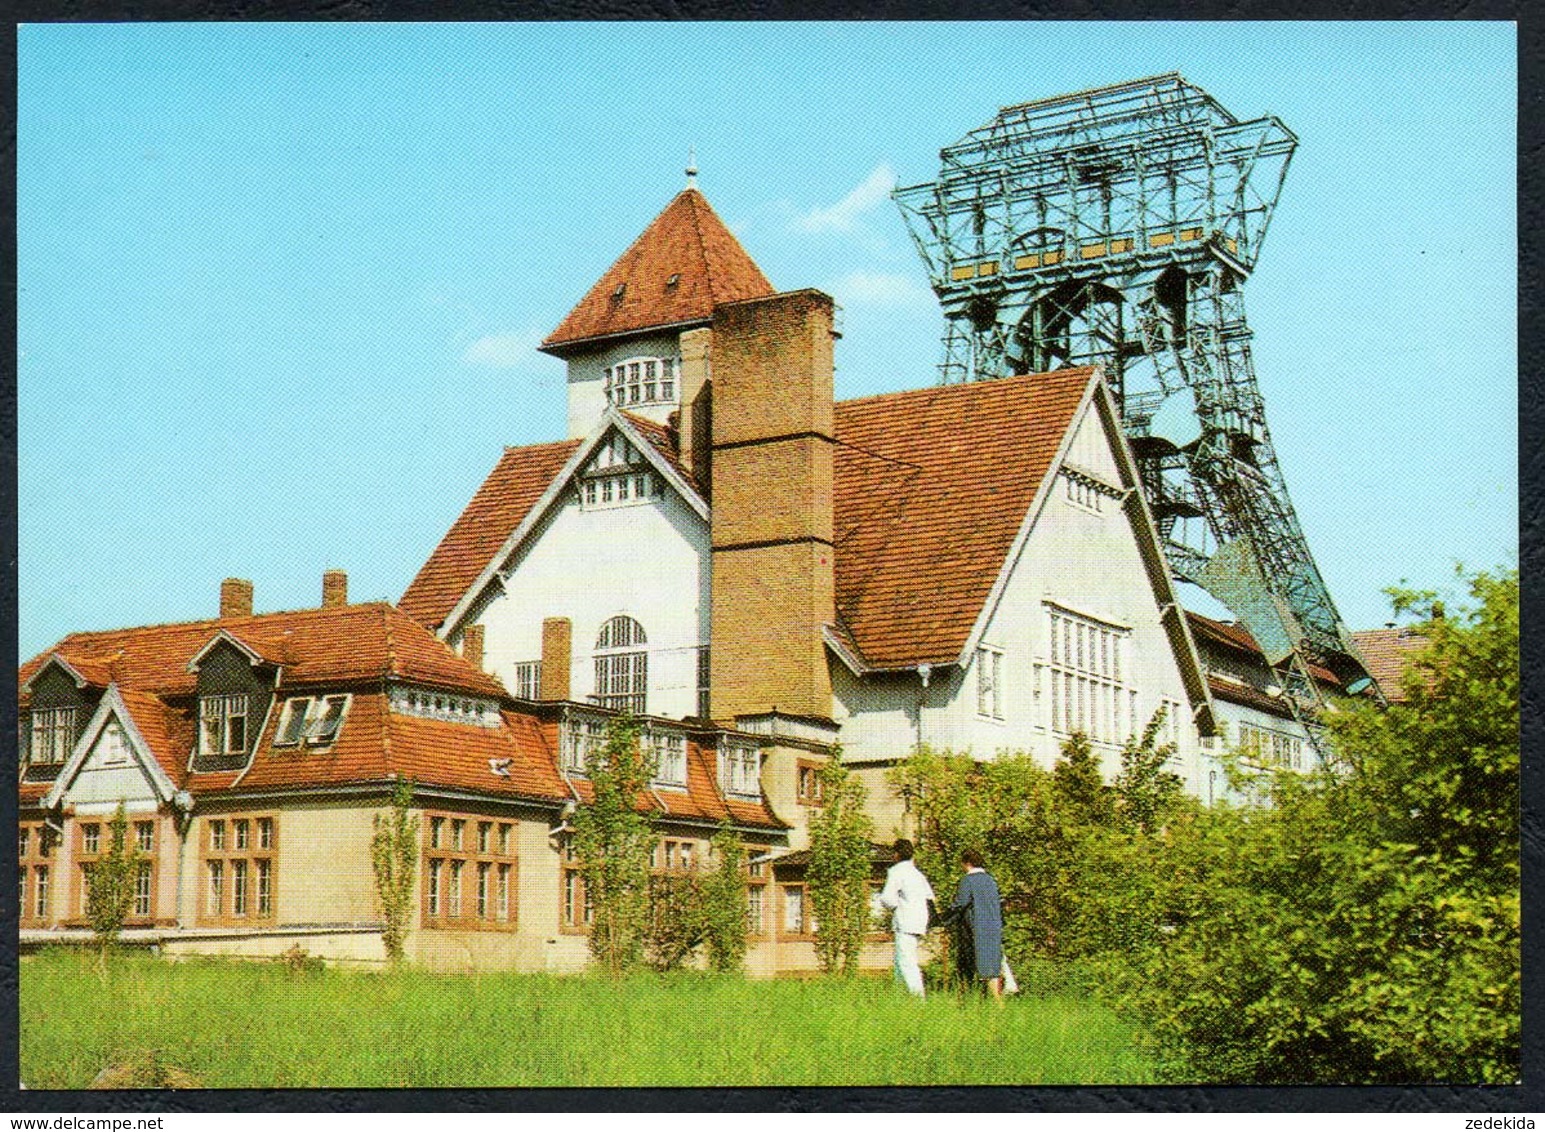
{"points": [[685, 263]]}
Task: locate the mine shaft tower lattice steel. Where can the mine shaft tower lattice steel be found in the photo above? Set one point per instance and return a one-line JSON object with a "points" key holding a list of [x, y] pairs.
{"points": [[1116, 227]]}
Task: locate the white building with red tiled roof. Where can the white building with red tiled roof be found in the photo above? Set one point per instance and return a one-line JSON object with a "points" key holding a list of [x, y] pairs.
{"points": [[970, 567], [761, 574]]}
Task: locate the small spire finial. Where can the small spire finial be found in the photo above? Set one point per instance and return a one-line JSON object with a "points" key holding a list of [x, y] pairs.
{"points": [[692, 167]]}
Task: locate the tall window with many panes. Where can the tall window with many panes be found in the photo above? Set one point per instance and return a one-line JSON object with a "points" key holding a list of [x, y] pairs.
{"points": [[1088, 662], [622, 665]]}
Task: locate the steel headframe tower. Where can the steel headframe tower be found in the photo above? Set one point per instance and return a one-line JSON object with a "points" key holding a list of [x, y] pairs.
{"points": [[1116, 227]]}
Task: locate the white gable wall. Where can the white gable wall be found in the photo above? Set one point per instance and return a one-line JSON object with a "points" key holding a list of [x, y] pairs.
{"points": [[111, 774], [1084, 561], [647, 560]]}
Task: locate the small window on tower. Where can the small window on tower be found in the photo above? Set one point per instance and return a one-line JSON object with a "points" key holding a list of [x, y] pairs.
{"points": [[617, 294], [673, 280]]}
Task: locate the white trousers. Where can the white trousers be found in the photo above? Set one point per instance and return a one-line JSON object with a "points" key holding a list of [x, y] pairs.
{"points": [[907, 971]]}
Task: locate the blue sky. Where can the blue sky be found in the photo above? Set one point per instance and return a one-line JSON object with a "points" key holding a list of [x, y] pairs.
{"points": [[281, 285]]}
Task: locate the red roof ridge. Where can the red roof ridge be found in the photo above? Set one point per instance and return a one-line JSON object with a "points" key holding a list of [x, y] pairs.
{"points": [[1083, 373]]}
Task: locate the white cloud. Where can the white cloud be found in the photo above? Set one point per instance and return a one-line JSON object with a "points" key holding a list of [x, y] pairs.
{"points": [[503, 351], [843, 216], [881, 289]]}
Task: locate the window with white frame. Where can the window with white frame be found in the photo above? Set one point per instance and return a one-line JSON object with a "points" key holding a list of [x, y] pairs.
{"points": [[989, 671], [53, 734], [528, 680], [622, 665], [1272, 748], [223, 724], [1170, 730], [740, 768], [615, 489], [1086, 492], [642, 381], [669, 752], [315, 720], [429, 703], [578, 737], [1087, 660], [113, 746]]}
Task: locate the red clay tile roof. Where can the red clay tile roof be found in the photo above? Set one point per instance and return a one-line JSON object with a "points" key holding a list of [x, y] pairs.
{"points": [[167, 731], [932, 486], [687, 242], [1388, 653], [500, 505], [327, 645], [701, 801], [664, 441]]}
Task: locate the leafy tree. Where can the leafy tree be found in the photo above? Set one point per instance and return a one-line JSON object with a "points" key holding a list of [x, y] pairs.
{"points": [[394, 858], [110, 886], [838, 876], [1082, 796], [725, 903], [1364, 927], [613, 841], [1145, 791]]}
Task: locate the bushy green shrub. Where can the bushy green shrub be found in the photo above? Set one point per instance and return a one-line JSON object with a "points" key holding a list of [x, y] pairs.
{"points": [[700, 910], [1364, 926]]}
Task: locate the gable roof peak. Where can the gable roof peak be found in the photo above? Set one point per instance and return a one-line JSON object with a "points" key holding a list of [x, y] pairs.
{"points": [[684, 264]]}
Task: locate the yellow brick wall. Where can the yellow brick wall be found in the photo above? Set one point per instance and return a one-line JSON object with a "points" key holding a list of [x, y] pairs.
{"points": [[769, 604]]}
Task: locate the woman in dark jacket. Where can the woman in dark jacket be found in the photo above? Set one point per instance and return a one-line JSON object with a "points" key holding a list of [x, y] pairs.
{"points": [[978, 908]]}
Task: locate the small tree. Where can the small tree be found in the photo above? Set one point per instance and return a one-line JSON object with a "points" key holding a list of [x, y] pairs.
{"points": [[613, 841], [394, 857], [838, 876], [1082, 796], [110, 885], [1145, 791], [725, 904]]}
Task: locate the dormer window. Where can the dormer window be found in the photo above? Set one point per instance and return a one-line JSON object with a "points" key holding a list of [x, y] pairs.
{"points": [[740, 768], [642, 381], [223, 725], [53, 734], [668, 750], [313, 720]]}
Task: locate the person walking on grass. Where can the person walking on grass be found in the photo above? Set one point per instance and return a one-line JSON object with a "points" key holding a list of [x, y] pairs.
{"points": [[907, 893], [978, 907]]}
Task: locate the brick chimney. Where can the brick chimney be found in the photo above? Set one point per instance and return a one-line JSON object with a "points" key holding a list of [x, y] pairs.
{"points": [[557, 646], [335, 588], [472, 646], [773, 576], [695, 427], [235, 598]]}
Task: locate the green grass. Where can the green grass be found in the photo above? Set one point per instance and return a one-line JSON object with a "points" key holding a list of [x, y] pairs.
{"points": [[244, 1025]]}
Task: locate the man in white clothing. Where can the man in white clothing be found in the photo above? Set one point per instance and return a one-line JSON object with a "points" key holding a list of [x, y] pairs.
{"points": [[907, 893]]}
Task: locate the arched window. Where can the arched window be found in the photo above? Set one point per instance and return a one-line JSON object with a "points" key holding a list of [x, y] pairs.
{"points": [[621, 665], [642, 381]]}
